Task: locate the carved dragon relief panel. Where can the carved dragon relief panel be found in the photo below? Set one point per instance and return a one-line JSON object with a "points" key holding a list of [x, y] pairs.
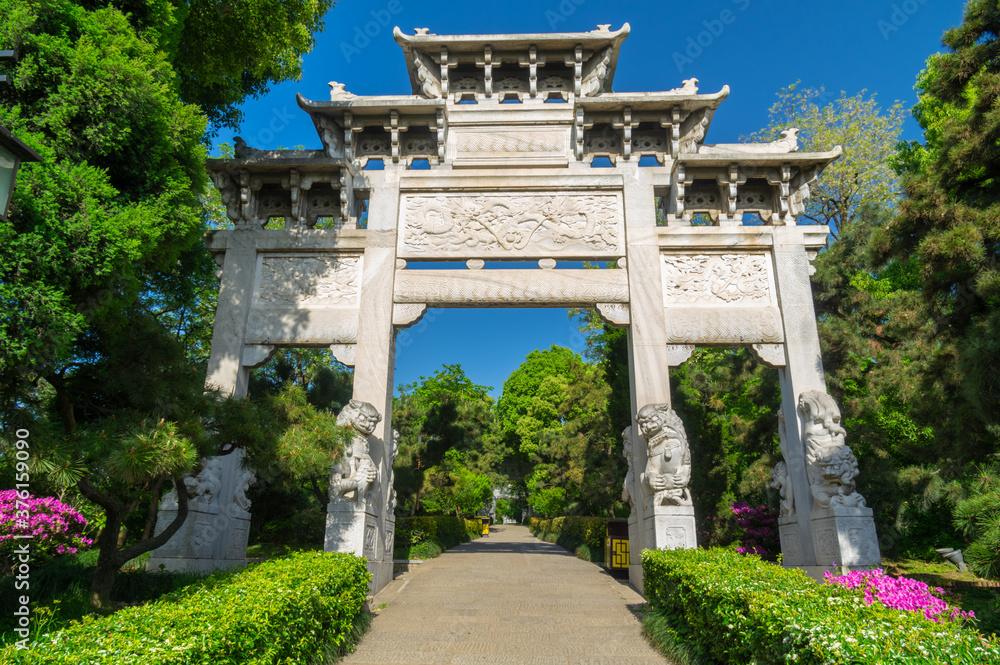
{"points": [[295, 282], [512, 226]]}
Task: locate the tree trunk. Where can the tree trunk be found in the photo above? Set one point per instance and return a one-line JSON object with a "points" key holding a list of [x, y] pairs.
{"points": [[318, 493], [63, 402], [147, 529], [110, 559]]}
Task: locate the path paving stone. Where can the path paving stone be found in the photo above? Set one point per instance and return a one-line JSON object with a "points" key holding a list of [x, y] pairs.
{"points": [[507, 599]]}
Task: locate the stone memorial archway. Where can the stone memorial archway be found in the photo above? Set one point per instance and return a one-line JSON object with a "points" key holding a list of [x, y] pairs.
{"points": [[510, 126]]}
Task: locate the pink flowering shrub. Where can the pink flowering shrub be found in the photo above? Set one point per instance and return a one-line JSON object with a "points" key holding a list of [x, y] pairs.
{"points": [[900, 593], [55, 528], [757, 527]]}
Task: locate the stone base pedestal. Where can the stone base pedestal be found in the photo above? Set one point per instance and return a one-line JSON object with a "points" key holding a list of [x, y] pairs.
{"points": [[845, 538], [791, 547], [350, 528], [671, 528], [208, 540]]}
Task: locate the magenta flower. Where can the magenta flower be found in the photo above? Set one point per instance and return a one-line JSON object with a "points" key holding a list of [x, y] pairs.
{"points": [[900, 593], [55, 528]]}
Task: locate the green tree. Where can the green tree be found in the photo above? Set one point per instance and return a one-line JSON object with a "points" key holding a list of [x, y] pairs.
{"points": [[950, 220], [452, 487], [103, 280], [554, 415], [444, 412], [868, 135]]}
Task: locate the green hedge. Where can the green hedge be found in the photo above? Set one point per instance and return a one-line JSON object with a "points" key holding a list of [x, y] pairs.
{"points": [[725, 607], [427, 536], [584, 536], [283, 611]]}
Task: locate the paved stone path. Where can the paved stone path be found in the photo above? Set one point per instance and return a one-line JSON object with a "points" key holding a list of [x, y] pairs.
{"points": [[507, 599]]}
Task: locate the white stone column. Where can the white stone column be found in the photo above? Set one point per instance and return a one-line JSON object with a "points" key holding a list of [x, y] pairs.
{"points": [[648, 365], [805, 531], [214, 535], [803, 371], [226, 372], [375, 360]]}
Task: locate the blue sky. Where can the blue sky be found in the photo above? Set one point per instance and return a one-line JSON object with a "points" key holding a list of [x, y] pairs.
{"points": [[755, 47]]}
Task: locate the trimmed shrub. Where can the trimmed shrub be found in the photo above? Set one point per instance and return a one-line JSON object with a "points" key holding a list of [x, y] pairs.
{"points": [[425, 537], [584, 536], [282, 611], [734, 608]]}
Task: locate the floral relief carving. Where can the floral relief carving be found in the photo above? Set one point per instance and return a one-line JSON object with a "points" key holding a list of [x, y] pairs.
{"points": [[715, 278], [310, 281], [501, 225]]}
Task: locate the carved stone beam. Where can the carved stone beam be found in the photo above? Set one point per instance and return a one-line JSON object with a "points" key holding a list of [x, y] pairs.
{"points": [[406, 315], [769, 355], [345, 353], [346, 197], [230, 192], [298, 198], [783, 180], [444, 71], [531, 62], [728, 188], [348, 135], [255, 355], [679, 217], [487, 63], [677, 354], [393, 128], [800, 191], [577, 64], [438, 128], [626, 124], [248, 200], [331, 135], [614, 314], [474, 288], [675, 131], [578, 149]]}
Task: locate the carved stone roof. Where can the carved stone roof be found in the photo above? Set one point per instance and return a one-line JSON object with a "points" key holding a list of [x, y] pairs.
{"points": [[471, 48]]}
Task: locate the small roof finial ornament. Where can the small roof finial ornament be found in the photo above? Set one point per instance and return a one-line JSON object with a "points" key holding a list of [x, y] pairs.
{"points": [[690, 87], [242, 151], [789, 140], [421, 31], [338, 92], [603, 27]]}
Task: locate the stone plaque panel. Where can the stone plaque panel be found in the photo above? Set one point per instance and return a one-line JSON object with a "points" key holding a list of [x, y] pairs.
{"points": [[315, 281], [717, 279], [504, 146], [511, 226]]}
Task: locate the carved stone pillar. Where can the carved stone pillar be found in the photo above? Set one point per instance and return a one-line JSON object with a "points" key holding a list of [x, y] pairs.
{"points": [[226, 371], [801, 375], [351, 518], [669, 520], [647, 337], [375, 355]]}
